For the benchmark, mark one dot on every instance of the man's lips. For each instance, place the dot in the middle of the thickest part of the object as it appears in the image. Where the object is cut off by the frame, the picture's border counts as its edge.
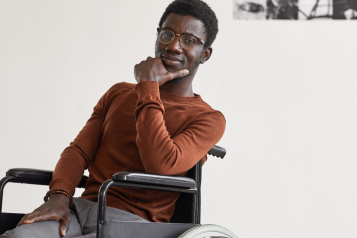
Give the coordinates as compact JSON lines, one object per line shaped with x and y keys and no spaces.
{"x":170,"y":60}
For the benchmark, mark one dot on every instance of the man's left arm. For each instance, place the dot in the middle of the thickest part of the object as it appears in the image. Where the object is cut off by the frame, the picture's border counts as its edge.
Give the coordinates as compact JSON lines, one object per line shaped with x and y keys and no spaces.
{"x":162,"y":154}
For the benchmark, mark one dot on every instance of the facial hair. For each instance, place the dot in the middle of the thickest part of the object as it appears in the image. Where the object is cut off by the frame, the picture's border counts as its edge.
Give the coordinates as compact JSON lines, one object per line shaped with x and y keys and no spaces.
{"x":176,"y":80}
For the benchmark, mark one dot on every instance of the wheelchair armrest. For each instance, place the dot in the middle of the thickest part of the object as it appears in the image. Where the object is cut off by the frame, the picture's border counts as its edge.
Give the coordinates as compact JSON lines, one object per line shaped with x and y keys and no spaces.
{"x":154,"y":179}
{"x":139,"y":180}
{"x":45,"y":176}
{"x":28,"y":173}
{"x":220,"y":152}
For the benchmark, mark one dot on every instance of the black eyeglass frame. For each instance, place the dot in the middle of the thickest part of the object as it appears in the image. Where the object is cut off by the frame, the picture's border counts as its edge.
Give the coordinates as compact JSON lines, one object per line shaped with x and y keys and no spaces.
{"x":199,"y":40}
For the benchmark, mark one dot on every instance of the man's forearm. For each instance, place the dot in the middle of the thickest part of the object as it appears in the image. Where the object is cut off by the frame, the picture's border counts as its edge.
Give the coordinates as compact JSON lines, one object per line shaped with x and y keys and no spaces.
{"x":162,"y":154}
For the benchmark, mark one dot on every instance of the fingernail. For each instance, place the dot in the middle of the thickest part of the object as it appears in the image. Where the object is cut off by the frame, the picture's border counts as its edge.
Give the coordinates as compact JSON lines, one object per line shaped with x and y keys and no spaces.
{"x":186,"y":71}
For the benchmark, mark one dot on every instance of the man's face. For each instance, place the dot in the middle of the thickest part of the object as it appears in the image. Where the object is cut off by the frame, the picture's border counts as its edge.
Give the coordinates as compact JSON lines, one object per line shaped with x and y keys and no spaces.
{"x":173,"y":56}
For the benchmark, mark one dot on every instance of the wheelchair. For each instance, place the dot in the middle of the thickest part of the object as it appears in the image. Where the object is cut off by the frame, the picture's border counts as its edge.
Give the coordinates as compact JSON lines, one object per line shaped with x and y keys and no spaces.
{"x":185,"y":222}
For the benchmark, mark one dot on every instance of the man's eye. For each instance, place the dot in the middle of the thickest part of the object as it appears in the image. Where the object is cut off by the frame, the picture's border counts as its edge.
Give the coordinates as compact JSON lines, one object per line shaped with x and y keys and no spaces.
{"x":190,"y":40}
{"x":167,"y":35}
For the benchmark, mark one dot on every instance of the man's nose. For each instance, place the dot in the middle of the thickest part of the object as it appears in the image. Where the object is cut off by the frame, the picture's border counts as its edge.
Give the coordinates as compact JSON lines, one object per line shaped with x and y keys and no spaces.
{"x":175,"y":45}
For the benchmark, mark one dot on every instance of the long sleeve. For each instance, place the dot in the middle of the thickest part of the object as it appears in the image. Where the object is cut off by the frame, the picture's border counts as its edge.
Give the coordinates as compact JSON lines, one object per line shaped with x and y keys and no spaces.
{"x":161,"y":154}
{"x":77,"y":157}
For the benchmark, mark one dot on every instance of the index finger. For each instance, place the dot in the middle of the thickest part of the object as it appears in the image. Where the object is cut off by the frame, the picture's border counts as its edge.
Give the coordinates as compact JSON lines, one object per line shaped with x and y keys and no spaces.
{"x":22,"y":220}
{"x":39,"y":217}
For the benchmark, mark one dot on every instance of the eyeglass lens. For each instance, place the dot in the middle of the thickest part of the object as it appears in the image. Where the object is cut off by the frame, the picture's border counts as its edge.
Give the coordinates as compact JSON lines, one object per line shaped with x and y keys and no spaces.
{"x":187,"y":42}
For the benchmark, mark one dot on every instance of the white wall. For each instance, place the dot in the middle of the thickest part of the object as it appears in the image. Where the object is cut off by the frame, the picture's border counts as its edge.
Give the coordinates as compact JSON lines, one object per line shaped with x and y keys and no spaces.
{"x":287,"y":89}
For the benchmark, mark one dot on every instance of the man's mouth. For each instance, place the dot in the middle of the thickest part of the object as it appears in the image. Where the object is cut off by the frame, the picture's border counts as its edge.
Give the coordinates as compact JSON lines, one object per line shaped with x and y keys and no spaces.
{"x":170,"y":60}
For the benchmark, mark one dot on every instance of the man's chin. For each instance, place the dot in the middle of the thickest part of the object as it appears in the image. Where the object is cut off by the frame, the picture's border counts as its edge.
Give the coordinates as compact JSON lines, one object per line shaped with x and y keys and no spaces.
{"x":171,"y":68}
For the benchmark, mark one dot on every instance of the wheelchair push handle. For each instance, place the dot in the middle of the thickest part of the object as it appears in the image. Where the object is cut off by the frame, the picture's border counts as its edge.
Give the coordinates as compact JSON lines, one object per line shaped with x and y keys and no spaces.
{"x":217,"y":151}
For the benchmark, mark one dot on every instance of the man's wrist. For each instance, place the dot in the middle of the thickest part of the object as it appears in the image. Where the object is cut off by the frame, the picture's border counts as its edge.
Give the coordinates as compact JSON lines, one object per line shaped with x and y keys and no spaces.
{"x":59,"y":191}
{"x":59,"y":197}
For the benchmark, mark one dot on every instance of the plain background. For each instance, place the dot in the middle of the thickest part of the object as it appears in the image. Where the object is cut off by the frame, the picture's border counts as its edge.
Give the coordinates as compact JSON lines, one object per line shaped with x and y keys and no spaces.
{"x":286,"y":88}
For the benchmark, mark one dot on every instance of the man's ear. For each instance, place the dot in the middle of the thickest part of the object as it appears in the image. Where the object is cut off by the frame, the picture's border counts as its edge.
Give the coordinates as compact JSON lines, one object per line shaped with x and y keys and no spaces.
{"x":206,"y":54}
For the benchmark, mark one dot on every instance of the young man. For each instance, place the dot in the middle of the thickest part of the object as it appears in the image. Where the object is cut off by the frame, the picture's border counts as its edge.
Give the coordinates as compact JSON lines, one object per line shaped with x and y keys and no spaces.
{"x":156,"y":126}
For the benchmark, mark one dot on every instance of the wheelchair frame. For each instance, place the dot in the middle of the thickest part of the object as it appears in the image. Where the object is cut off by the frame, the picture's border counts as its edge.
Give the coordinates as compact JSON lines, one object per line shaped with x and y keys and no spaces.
{"x":129,"y":180}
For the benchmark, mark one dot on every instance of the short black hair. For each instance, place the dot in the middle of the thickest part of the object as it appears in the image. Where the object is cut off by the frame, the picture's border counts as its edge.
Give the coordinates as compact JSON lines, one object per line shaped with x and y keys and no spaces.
{"x":199,"y":10}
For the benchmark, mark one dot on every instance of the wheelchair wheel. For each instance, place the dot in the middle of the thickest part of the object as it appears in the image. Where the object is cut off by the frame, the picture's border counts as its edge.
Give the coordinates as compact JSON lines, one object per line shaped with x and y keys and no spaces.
{"x":208,"y":231}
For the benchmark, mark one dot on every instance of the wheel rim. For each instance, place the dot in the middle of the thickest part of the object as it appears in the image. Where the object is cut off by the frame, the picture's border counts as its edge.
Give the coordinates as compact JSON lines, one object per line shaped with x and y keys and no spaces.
{"x":208,"y":230}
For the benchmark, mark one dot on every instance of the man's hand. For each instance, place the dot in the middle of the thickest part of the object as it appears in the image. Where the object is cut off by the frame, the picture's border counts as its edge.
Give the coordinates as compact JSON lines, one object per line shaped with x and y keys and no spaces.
{"x":152,"y":69}
{"x":56,"y":208}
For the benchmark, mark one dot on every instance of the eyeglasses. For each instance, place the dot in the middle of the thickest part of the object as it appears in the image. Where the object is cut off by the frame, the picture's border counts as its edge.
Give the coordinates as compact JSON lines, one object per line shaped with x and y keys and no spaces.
{"x":188,"y":42}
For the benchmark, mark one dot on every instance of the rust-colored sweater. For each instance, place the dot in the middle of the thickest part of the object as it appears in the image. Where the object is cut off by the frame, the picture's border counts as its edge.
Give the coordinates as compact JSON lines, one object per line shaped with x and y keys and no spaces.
{"x":139,"y":127}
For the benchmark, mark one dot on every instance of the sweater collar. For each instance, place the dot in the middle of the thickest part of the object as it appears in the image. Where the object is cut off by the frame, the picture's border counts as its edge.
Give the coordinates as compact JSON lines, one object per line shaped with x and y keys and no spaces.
{"x":164,"y":95}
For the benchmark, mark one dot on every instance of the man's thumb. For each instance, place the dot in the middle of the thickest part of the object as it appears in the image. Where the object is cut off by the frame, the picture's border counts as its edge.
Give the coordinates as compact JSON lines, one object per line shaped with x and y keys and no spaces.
{"x":65,"y":225}
{"x":180,"y":73}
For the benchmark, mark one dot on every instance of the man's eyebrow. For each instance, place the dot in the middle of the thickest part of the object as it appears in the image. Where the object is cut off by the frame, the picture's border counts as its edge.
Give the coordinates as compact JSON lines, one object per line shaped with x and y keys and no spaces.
{"x":186,"y":33}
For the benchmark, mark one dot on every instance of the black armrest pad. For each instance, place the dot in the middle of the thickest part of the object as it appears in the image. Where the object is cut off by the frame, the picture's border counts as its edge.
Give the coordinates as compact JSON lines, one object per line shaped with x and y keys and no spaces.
{"x":175,"y":181}
{"x":220,"y":152}
{"x":30,"y":173}
{"x":27,"y":173}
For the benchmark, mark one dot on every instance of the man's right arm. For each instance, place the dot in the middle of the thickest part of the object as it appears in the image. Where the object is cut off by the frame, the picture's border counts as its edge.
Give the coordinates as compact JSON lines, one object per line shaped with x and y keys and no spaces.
{"x":69,"y":170}
{"x":77,"y":157}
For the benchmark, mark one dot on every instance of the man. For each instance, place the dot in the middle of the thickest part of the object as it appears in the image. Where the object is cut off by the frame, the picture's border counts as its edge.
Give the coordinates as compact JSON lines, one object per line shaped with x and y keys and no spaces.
{"x":156,"y":126}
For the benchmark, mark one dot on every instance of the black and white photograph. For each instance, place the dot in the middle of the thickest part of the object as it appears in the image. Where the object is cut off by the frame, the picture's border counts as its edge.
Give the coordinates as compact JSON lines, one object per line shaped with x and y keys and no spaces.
{"x":315,"y":9}
{"x":295,"y":9}
{"x":345,"y":9}
{"x":282,"y":9}
{"x":249,"y":10}
{"x":327,"y":9}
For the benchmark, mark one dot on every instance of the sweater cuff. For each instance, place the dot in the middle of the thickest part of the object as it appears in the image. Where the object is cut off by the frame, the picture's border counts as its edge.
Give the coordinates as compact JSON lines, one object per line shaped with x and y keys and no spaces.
{"x":148,"y":97}
{"x":148,"y":90}
{"x":61,"y":183}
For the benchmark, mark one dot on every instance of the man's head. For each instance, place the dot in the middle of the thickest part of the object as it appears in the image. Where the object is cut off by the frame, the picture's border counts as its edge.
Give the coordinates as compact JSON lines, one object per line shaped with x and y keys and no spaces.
{"x":191,"y":17}
{"x":199,"y":10}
